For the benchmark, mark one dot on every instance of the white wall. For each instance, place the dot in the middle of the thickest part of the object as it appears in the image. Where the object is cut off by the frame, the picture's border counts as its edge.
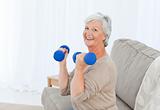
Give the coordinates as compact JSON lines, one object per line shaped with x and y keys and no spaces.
{"x":31,"y":30}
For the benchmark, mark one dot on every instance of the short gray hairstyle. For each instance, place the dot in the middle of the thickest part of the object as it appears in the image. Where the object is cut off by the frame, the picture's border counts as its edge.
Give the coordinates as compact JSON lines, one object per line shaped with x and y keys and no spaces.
{"x":106,"y":24}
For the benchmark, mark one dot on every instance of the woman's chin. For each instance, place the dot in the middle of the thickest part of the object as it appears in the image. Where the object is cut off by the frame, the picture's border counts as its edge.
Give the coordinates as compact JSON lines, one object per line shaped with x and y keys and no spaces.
{"x":89,"y":44}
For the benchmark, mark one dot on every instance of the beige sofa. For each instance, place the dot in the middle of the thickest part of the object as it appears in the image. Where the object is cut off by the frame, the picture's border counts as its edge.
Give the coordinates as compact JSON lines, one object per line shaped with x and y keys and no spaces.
{"x":132,"y":59}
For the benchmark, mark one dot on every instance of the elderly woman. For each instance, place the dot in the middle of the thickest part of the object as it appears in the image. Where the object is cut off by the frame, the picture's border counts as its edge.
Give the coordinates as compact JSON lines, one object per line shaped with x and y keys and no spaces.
{"x":91,"y":87}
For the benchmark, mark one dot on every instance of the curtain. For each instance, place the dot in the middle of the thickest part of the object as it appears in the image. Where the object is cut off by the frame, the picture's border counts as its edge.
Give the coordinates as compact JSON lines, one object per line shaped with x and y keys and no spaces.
{"x":31,"y":30}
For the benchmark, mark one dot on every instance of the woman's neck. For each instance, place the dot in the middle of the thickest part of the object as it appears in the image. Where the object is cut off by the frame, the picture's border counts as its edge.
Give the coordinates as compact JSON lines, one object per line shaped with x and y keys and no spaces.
{"x":100,"y":52}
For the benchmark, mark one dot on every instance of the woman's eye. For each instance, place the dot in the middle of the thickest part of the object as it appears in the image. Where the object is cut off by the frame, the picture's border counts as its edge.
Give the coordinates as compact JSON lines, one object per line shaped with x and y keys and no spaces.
{"x":86,"y":28}
{"x":95,"y":30}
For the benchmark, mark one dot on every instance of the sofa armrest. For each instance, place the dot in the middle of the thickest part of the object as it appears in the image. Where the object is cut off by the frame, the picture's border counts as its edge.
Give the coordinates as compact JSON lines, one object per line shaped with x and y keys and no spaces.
{"x":52,"y":81}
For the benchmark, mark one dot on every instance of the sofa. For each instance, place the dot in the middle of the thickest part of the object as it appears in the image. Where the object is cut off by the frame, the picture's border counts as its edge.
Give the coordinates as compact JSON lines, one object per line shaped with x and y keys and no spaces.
{"x":132,"y":59}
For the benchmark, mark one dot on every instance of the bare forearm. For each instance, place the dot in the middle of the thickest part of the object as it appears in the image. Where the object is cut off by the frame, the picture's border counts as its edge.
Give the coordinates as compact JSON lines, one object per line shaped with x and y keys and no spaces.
{"x":77,"y":84}
{"x":63,"y":77}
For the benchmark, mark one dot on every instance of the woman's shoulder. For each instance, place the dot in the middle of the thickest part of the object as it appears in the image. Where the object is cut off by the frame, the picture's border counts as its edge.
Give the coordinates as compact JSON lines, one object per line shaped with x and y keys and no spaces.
{"x":102,"y":69}
{"x":104,"y":63}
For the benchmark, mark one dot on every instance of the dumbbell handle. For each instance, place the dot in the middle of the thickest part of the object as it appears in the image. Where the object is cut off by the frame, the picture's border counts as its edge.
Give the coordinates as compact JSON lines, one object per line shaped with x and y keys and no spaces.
{"x":59,"y":54}
{"x":89,"y":58}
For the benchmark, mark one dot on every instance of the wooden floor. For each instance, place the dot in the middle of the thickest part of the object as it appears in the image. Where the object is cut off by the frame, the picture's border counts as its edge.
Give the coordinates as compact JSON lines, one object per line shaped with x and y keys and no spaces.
{"x":8,"y":106}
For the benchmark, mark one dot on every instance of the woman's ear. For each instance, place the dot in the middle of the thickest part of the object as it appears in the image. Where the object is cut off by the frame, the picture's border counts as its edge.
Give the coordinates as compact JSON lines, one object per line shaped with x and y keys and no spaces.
{"x":104,"y":37}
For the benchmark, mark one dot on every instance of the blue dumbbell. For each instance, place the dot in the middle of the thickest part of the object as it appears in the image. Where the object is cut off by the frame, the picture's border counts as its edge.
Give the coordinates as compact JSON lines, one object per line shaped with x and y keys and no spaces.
{"x":59,"y":55}
{"x":89,"y":58}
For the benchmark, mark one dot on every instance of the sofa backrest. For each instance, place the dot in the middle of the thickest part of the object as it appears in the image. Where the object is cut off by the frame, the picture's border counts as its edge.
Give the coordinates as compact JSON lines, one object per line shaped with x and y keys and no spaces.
{"x":132,"y":59}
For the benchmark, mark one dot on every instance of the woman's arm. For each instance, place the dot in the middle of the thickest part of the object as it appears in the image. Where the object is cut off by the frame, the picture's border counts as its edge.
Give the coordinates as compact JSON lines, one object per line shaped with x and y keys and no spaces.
{"x":77,"y":84}
{"x":63,"y":76}
{"x":63,"y":72}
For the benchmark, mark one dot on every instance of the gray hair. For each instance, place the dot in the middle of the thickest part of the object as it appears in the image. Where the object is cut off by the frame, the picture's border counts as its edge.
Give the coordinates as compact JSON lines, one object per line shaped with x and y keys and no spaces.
{"x":106,"y":24}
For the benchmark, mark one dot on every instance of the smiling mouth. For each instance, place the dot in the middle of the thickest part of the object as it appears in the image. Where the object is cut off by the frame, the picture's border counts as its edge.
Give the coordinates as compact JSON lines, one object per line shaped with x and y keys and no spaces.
{"x":89,"y":38}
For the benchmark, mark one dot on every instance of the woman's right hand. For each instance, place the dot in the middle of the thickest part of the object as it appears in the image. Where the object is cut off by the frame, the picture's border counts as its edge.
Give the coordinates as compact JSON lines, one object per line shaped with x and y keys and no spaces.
{"x":63,"y":62}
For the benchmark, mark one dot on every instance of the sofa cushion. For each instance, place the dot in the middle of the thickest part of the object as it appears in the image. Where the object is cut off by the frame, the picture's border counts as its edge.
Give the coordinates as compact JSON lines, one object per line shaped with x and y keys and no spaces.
{"x":132,"y":59}
{"x":52,"y":100}
{"x":148,"y":97}
{"x":122,"y":105}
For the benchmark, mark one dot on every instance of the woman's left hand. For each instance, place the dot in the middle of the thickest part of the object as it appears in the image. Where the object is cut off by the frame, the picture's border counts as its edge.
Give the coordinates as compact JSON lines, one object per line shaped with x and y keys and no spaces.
{"x":80,"y":64}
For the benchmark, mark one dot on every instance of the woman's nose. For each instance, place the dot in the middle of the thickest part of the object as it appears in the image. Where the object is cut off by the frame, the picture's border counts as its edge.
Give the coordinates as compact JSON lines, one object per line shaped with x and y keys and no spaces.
{"x":88,"y":32}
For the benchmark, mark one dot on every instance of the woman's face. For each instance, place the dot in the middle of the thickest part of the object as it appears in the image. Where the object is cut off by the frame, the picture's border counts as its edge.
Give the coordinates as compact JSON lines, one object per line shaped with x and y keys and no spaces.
{"x":93,"y":34}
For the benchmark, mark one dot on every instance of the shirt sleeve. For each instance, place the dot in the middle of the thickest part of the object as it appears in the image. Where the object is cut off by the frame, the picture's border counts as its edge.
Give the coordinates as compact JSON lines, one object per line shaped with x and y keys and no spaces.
{"x":90,"y":90}
{"x":99,"y":85}
{"x":66,"y":91}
